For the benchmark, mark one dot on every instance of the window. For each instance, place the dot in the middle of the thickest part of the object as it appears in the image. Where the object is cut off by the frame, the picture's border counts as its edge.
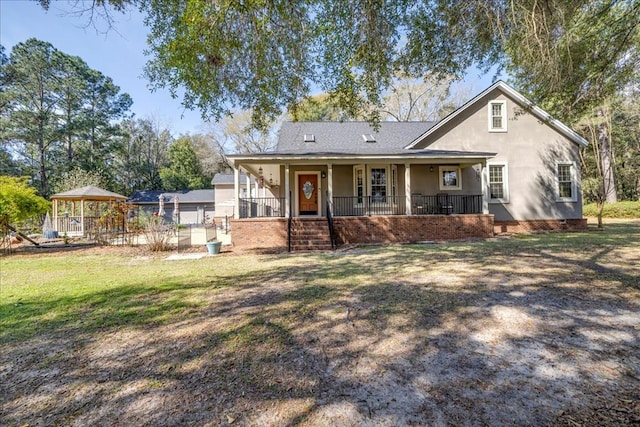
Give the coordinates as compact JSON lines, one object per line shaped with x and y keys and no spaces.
{"x":377,"y":181}
{"x":450,"y":178}
{"x":498,"y":189}
{"x":498,"y":116}
{"x":566,"y":182}
{"x":379,"y":184}
{"x":359,"y":182}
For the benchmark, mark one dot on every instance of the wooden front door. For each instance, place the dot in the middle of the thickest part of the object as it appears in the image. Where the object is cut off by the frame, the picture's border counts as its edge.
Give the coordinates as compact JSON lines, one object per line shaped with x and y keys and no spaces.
{"x":308,"y":194}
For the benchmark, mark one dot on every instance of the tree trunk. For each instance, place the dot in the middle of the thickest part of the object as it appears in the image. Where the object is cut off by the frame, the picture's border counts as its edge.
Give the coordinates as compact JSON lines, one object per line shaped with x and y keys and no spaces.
{"x":608,"y":176}
{"x":43,"y":169}
{"x":599,"y":209}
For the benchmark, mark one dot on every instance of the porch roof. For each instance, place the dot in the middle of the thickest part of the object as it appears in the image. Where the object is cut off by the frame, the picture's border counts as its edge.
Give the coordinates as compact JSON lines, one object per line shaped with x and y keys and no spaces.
{"x":422,"y":156}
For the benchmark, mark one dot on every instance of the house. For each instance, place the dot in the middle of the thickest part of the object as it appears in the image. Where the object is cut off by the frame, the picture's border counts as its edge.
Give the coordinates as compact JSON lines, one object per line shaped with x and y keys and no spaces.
{"x":498,"y":163}
{"x":183,"y":207}
{"x":225,"y":194}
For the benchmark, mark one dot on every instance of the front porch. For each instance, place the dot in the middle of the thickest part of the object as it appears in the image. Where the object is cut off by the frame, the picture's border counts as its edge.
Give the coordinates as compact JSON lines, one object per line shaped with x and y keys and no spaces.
{"x":387,"y":199}
{"x":348,"y":206}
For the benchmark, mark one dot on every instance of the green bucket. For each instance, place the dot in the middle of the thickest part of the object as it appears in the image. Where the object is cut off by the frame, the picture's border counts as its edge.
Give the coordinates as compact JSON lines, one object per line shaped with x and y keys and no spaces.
{"x":213,"y":247}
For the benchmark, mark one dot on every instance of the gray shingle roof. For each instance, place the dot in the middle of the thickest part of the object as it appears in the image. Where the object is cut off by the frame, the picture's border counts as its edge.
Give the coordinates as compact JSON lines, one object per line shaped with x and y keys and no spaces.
{"x":347,"y":137}
{"x":193,"y":196}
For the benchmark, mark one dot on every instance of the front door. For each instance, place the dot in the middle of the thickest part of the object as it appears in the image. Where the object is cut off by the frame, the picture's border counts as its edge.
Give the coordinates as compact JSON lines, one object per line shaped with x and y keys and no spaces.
{"x":308,"y":194}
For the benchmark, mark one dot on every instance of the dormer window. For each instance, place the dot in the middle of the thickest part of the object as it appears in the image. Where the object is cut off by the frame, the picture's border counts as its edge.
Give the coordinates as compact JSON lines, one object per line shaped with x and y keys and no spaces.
{"x":497,"y":116}
{"x":367,"y":137}
{"x":309,"y":137}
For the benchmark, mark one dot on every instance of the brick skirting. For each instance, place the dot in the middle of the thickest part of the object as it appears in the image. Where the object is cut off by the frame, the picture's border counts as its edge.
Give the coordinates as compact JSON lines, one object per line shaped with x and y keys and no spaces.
{"x":538,"y":225}
{"x":406,"y":229}
{"x":267,"y":234}
{"x":270,"y":234}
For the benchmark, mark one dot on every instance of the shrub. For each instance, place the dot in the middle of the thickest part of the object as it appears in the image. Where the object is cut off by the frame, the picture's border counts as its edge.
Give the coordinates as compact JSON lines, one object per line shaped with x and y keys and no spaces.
{"x":626,"y":209}
{"x":156,"y":232}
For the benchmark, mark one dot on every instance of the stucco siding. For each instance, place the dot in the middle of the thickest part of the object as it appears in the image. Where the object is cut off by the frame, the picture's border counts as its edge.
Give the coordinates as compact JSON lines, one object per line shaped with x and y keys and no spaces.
{"x":530,"y":149}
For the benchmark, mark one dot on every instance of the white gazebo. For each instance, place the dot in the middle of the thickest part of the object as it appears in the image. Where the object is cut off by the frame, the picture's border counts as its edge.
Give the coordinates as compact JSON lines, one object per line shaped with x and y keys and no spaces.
{"x":76,"y":211}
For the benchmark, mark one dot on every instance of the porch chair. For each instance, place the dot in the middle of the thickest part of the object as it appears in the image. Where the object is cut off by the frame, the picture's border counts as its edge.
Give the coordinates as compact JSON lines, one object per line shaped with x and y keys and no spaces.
{"x":444,"y":204}
{"x":417,"y":203}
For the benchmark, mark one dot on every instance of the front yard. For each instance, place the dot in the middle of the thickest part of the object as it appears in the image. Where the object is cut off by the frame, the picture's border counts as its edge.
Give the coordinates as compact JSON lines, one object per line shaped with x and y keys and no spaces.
{"x":533,"y":330}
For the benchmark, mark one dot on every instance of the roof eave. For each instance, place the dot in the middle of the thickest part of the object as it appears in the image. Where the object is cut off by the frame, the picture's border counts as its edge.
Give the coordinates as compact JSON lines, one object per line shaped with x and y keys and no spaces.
{"x":409,"y":156}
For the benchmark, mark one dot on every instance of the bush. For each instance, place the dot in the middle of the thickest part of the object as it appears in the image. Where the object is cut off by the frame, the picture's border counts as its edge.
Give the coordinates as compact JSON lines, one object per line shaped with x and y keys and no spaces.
{"x":19,"y":201}
{"x":156,"y":232}
{"x":614,"y":210}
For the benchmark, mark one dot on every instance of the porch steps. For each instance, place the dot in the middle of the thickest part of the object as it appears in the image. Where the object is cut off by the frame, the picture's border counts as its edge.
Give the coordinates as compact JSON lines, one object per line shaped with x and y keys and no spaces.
{"x":310,"y":234}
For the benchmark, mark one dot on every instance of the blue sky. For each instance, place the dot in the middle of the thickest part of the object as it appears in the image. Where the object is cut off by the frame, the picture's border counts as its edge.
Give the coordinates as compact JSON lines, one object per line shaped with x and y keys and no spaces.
{"x":117,"y":54}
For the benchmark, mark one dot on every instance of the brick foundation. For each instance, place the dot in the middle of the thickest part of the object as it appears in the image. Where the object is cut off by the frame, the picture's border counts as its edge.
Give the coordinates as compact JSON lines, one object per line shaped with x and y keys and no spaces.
{"x":406,"y":229}
{"x":270,"y":234}
{"x":531,"y":226}
{"x":267,"y":234}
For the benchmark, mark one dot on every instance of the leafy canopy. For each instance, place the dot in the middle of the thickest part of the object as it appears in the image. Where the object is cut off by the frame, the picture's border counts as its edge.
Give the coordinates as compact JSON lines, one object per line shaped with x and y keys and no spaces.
{"x":19,"y":201}
{"x":184,"y":170}
{"x":267,"y":55}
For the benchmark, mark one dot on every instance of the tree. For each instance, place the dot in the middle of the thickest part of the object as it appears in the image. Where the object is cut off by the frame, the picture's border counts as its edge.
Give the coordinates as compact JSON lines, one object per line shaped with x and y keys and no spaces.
{"x":265,"y":56}
{"x":103,"y":105}
{"x":317,"y":108}
{"x":183,"y":171}
{"x":57,"y":113}
{"x":19,"y":201}
{"x":140,"y":155}
{"x":424,"y":99}
{"x":78,"y":178}
{"x":71,"y":95}
{"x":235,"y":134}
{"x":626,"y":138}
{"x":209,"y":159}
{"x":32,"y":103}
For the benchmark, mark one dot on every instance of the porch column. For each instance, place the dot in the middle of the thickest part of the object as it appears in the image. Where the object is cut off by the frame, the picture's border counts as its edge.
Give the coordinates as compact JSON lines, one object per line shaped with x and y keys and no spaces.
{"x":407,"y":187}
{"x":82,"y":217}
{"x":287,"y":192}
{"x":485,"y":187}
{"x":330,"y":187}
{"x":248,"y":191}
{"x":236,"y":191}
{"x":55,"y":214}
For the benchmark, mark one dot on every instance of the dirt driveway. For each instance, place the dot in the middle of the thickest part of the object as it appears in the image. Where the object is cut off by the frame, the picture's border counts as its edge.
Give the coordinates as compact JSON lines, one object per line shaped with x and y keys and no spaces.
{"x":541,"y":331}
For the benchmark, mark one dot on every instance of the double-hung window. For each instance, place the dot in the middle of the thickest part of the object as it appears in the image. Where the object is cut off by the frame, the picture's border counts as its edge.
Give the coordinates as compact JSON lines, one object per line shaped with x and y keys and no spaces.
{"x":498,"y":183}
{"x":566,"y":182}
{"x":359,"y":186}
{"x":379,"y":184}
{"x":497,"y":116}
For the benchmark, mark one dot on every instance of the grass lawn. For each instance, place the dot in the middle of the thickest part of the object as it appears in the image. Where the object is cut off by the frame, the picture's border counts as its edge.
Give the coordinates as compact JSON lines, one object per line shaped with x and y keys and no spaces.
{"x":532,"y":330}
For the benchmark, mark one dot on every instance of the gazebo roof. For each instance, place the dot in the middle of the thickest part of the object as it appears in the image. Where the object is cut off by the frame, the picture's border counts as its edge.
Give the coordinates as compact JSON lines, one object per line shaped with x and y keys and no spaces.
{"x":89,"y":192}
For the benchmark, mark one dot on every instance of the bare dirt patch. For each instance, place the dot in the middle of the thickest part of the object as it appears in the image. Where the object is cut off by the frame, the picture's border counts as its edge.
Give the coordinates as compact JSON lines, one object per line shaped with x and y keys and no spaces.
{"x":540,"y":332}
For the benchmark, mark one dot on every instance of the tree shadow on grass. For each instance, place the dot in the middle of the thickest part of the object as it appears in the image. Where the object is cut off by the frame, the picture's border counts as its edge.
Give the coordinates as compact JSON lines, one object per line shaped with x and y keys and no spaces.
{"x":377,"y":336}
